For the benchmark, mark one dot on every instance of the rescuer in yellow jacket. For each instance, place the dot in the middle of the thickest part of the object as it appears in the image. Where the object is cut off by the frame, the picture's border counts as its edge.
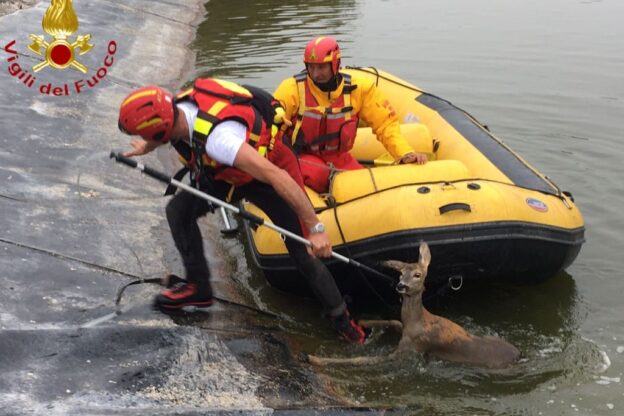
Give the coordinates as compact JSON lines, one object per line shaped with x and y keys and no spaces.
{"x":324,"y":106}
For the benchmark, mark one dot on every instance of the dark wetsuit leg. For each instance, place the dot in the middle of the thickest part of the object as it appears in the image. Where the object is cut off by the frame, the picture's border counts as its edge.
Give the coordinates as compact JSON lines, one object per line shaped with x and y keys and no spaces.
{"x":183,"y":211}
{"x":316,"y":273}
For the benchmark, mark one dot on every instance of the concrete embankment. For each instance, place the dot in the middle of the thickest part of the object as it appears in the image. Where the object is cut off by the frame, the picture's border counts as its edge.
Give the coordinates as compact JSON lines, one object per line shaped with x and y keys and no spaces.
{"x":75,"y":226}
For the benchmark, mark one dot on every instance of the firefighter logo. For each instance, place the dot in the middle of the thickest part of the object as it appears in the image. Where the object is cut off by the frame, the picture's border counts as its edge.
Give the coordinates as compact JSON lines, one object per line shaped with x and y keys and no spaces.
{"x":60,"y":22}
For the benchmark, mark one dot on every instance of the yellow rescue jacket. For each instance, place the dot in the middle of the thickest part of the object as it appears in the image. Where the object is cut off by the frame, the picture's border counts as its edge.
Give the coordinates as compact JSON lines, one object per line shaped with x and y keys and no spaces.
{"x":368,"y":104}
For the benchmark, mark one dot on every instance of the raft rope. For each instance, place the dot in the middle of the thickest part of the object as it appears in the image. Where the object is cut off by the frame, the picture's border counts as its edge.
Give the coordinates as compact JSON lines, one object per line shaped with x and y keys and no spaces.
{"x":12,"y":198}
{"x":67,"y":257}
{"x":375,"y":71}
{"x":171,"y":280}
{"x":138,"y":279}
{"x":372,"y":176}
{"x":322,"y":165}
{"x":371,"y":288}
{"x":333,"y":172}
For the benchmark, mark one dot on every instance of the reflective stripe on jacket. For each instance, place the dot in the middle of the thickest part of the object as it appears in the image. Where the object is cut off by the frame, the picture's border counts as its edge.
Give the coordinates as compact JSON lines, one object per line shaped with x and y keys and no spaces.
{"x":323,"y":130}
{"x":217,"y":101}
{"x":367,"y":101}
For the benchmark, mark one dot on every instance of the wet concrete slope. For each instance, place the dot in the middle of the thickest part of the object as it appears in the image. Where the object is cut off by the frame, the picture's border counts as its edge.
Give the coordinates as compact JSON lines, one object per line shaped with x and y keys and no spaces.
{"x":74,"y":226}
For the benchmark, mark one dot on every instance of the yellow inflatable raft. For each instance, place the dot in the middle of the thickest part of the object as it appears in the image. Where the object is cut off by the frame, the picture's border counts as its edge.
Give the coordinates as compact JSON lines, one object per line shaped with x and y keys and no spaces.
{"x":485,"y":212}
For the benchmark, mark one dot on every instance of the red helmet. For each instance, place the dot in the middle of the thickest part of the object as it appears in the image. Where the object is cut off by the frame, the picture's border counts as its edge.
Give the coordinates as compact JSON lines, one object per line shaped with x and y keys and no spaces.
{"x":148,"y":112}
{"x":321,"y":50}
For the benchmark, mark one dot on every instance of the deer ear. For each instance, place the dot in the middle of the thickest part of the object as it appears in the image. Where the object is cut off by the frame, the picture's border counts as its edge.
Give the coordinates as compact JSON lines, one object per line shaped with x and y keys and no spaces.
{"x":394,"y":264}
{"x":425,"y":255}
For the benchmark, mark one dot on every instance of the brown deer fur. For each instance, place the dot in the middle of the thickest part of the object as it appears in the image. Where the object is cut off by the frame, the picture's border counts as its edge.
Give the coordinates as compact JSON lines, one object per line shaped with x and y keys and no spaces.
{"x":429,"y":334}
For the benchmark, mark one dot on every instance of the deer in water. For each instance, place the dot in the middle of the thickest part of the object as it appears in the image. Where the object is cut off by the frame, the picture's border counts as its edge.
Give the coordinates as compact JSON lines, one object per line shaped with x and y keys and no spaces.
{"x":429,"y":334}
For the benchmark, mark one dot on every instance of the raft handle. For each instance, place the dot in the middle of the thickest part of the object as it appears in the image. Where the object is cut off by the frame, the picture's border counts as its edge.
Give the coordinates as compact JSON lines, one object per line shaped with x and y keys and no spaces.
{"x":456,"y":278}
{"x":455,"y":206}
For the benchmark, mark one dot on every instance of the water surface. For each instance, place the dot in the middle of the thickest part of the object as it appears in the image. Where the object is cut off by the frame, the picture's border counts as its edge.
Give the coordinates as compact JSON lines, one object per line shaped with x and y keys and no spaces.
{"x":546,"y":77}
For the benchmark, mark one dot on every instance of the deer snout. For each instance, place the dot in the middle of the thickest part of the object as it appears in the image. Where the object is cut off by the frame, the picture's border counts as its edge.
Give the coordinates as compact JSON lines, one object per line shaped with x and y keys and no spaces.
{"x":401,"y":287}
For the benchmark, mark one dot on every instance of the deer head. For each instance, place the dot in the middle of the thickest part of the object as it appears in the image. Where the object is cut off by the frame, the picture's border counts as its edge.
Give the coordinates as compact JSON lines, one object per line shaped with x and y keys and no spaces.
{"x":412,"y":274}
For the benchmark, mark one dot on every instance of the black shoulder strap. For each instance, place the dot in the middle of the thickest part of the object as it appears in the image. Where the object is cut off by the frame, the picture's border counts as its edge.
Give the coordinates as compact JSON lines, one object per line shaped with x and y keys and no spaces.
{"x":235,"y":100}
{"x":348,"y":87}
{"x":171,"y":189}
{"x":262,"y":102}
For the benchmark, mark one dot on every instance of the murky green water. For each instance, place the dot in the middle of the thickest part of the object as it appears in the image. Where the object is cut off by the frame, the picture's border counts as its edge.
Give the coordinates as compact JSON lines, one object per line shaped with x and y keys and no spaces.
{"x":547,"y":78}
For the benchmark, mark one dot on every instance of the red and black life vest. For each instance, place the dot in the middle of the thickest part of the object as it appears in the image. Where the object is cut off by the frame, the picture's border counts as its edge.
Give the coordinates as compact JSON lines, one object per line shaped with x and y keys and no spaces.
{"x":220,"y":100}
{"x":323,"y":130}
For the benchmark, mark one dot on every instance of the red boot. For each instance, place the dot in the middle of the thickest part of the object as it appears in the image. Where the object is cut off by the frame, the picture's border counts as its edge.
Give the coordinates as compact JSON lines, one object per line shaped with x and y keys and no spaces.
{"x":184,"y":295}
{"x":349,"y":329}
